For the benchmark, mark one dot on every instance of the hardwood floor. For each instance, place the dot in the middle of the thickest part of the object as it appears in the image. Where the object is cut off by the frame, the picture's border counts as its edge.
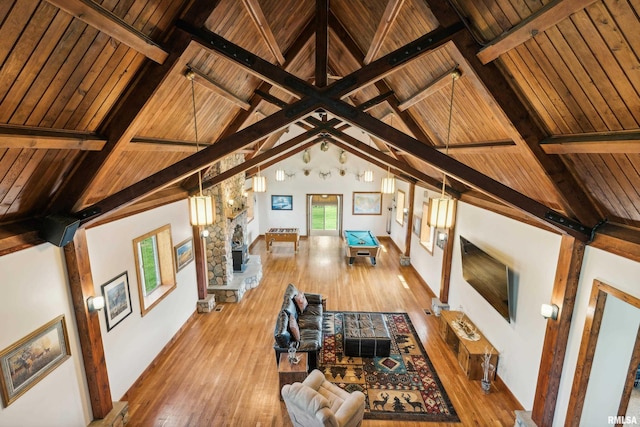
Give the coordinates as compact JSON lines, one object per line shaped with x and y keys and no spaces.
{"x":221,"y":370}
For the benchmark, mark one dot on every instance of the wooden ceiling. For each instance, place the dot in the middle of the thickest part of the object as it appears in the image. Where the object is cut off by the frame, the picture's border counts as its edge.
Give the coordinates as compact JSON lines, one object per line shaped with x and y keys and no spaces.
{"x":96,"y":113}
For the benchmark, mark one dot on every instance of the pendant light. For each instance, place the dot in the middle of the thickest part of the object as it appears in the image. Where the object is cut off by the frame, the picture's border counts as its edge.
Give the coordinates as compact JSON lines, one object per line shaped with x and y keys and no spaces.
{"x":388,"y":183}
{"x":259,"y":183}
{"x":368,"y":173}
{"x":200,"y":207}
{"x":442,"y":209}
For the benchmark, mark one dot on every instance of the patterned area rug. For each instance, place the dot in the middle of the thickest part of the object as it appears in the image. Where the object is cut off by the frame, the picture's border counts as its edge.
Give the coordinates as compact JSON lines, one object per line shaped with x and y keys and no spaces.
{"x":403,"y":386}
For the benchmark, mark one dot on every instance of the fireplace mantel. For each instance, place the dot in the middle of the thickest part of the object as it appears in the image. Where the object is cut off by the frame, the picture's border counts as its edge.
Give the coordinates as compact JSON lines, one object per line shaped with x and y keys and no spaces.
{"x":232,"y":215}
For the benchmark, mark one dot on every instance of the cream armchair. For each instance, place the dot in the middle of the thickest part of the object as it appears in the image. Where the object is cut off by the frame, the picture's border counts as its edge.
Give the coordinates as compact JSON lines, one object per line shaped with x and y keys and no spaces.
{"x":317,"y":402}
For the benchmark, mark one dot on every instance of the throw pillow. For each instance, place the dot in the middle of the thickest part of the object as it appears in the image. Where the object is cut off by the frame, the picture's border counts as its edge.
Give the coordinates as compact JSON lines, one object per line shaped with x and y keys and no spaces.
{"x":301,"y":302}
{"x":294,"y":330}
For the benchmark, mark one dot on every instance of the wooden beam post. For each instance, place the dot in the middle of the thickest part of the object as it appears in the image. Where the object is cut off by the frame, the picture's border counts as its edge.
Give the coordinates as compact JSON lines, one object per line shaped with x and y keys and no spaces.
{"x":565,"y":288}
{"x":81,"y":283}
{"x":407,"y":245}
{"x":200,"y":250}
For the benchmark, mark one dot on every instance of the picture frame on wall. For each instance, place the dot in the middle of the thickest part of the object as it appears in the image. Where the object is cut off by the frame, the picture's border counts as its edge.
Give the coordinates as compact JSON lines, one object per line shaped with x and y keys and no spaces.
{"x":183,"y":253}
{"x":117,"y":300}
{"x":281,"y":203}
{"x":367,"y":203}
{"x":29,"y":360}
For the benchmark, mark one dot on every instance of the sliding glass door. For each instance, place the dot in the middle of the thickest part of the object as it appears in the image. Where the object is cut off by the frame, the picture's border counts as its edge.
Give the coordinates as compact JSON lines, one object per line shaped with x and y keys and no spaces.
{"x":325,"y":214}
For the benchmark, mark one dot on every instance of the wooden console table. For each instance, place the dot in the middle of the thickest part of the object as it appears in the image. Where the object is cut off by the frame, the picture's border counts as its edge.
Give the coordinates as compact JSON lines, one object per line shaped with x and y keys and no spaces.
{"x":470,"y":353}
{"x":289,"y":373}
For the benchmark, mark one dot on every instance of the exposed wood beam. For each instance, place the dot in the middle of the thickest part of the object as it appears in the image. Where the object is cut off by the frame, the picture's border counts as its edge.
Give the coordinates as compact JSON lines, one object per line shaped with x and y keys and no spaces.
{"x":386,"y":160}
{"x":122,"y":121}
{"x":480,"y":148}
{"x":462,"y":172}
{"x":514,"y":116}
{"x":260,"y":21}
{"x":565,"y":289}
{"x":106,"y":22}
{"x":155,"y":200}
{"x":438,"y":83}
{"x":206,"y":81}
{"x":375,"y":101}
{"x":289,"y":146}
{"x":197,"y":161}
{"x":388,"y":18}
{"x":618,"y":239}
{"x":322,"y":42}
{"x":81,"y":284}
{"x":409,"y":230}
{"x":624,"y":142}
{"x":19,"y":235}
{"x":49,"y":139}
{"x":549,"y":15}
{"x":158,"y":144}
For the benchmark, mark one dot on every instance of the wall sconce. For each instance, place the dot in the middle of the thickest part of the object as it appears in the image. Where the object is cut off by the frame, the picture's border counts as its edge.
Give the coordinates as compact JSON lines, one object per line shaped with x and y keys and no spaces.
{"x":230,"y":203}
{"x":306,"y":156}
{"x":441,"y":241}
{"x":280,"y":175}
{"x":95,"y":303}
{"x":549,"y":311}
{"x":343,"y":157}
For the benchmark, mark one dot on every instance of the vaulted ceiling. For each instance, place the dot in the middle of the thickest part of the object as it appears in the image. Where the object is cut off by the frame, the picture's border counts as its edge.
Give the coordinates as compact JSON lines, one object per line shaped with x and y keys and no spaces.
{"x":96,"y":114}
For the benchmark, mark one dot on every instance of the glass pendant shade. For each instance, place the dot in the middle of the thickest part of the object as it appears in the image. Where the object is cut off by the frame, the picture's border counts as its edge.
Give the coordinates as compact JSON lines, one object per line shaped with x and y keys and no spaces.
{"x":441,"y":212}
{"x":201,"y":210}
{"x":368,"y":176}
{"x":388,"y":185}
{"x":259,"y":184}
{"x":280,"y":175}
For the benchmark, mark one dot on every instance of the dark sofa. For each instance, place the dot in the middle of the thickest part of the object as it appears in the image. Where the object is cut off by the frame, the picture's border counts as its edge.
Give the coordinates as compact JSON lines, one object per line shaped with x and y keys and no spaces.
{"x":309,"y":322}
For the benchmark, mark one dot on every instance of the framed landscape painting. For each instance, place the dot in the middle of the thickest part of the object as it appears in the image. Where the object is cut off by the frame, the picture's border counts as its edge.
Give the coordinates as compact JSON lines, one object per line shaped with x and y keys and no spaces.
{"x":281,"y":203}
{"x":367,"y":203}
{"x":184,"y":253}
{"x":117,"y":300}
{"x":29,"y":360}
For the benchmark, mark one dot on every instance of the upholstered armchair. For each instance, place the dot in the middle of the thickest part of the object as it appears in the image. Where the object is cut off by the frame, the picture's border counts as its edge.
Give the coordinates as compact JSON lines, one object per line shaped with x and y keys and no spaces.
{"x":317,"y":402}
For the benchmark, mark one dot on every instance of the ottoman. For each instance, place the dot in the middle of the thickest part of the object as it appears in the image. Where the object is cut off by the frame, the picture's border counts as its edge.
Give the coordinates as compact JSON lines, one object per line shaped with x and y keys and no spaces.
{"x":365,"y":335}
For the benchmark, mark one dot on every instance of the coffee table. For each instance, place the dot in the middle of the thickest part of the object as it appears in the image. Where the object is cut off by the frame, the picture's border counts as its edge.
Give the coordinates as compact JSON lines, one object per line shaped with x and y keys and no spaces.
{"x":365,"y":335}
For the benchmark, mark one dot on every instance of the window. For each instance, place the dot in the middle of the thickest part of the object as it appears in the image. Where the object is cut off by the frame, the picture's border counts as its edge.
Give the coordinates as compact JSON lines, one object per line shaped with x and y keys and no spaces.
{"x":154,"y":266}
{"x":427,"y":233}
{"x":400,"y":207}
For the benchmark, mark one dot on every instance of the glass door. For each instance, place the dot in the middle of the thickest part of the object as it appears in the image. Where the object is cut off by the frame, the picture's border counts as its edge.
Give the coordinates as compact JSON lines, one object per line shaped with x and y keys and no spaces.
{"x":325,"y":214}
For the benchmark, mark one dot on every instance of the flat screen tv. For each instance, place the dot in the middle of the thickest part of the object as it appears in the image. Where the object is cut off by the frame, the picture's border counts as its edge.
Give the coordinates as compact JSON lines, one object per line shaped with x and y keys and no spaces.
{"x":490,"y":277}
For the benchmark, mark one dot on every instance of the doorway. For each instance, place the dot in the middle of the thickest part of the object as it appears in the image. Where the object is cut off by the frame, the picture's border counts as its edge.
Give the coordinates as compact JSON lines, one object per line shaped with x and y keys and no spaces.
{"x":324,"y":214}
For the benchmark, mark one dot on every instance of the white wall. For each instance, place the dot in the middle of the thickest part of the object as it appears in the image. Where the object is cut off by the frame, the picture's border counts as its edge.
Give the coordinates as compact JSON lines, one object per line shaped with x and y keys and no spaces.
{"x":301,"y":185}
{"x":35,"y":290}
{"x":111,"y":253}
{"x":622,"y":274}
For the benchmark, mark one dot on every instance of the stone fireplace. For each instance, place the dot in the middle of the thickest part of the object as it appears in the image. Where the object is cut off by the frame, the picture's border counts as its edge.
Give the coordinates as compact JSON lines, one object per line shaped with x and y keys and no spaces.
{"x":228,"y":235}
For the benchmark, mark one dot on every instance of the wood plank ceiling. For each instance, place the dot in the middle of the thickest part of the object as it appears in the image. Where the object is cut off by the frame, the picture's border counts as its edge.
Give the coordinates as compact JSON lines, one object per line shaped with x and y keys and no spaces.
{"x":96,"y":112}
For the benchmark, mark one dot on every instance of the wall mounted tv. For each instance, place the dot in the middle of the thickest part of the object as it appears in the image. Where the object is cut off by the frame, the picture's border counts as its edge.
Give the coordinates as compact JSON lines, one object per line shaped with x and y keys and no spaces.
{"x":490,"y":277}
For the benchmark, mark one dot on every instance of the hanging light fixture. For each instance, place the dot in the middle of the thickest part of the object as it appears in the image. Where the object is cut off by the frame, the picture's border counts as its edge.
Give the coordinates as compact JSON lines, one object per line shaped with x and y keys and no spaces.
{"x":368,"y":173}
{"x":259,"y":183}
{"x":280,"y":175}
{"x":442,"y":209}
{"x":388,"y":183}
{"x":200,"y":207}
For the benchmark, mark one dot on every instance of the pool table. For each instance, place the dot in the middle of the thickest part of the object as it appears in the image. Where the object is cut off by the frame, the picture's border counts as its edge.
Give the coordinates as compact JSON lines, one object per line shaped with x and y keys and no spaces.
{"x":361,"y":243}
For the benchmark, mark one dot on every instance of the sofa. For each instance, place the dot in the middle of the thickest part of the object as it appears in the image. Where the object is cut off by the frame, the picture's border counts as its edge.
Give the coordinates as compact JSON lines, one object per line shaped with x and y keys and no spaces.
{"x":317,"y":402}
{"x":299,"y":324}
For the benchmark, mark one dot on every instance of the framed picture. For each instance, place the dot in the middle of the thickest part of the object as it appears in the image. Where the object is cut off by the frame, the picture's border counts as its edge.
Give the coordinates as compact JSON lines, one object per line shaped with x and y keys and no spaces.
{"x":400,"y":198}
{"x":367,"y":203}
{"x":281,"y":203}
{"x":29,"y":360}
{"x":417,"y":223}
{"x":117,"y":300}
{"x":184,"y":253}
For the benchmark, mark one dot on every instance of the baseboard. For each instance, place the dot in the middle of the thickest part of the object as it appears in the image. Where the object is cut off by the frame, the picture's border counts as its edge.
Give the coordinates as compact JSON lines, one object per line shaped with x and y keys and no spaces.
{"x":145,"y":373}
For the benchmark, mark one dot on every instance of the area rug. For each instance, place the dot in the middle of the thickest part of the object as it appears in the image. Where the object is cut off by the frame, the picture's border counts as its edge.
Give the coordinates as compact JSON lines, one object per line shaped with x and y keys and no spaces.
{"x":403,"y":386}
